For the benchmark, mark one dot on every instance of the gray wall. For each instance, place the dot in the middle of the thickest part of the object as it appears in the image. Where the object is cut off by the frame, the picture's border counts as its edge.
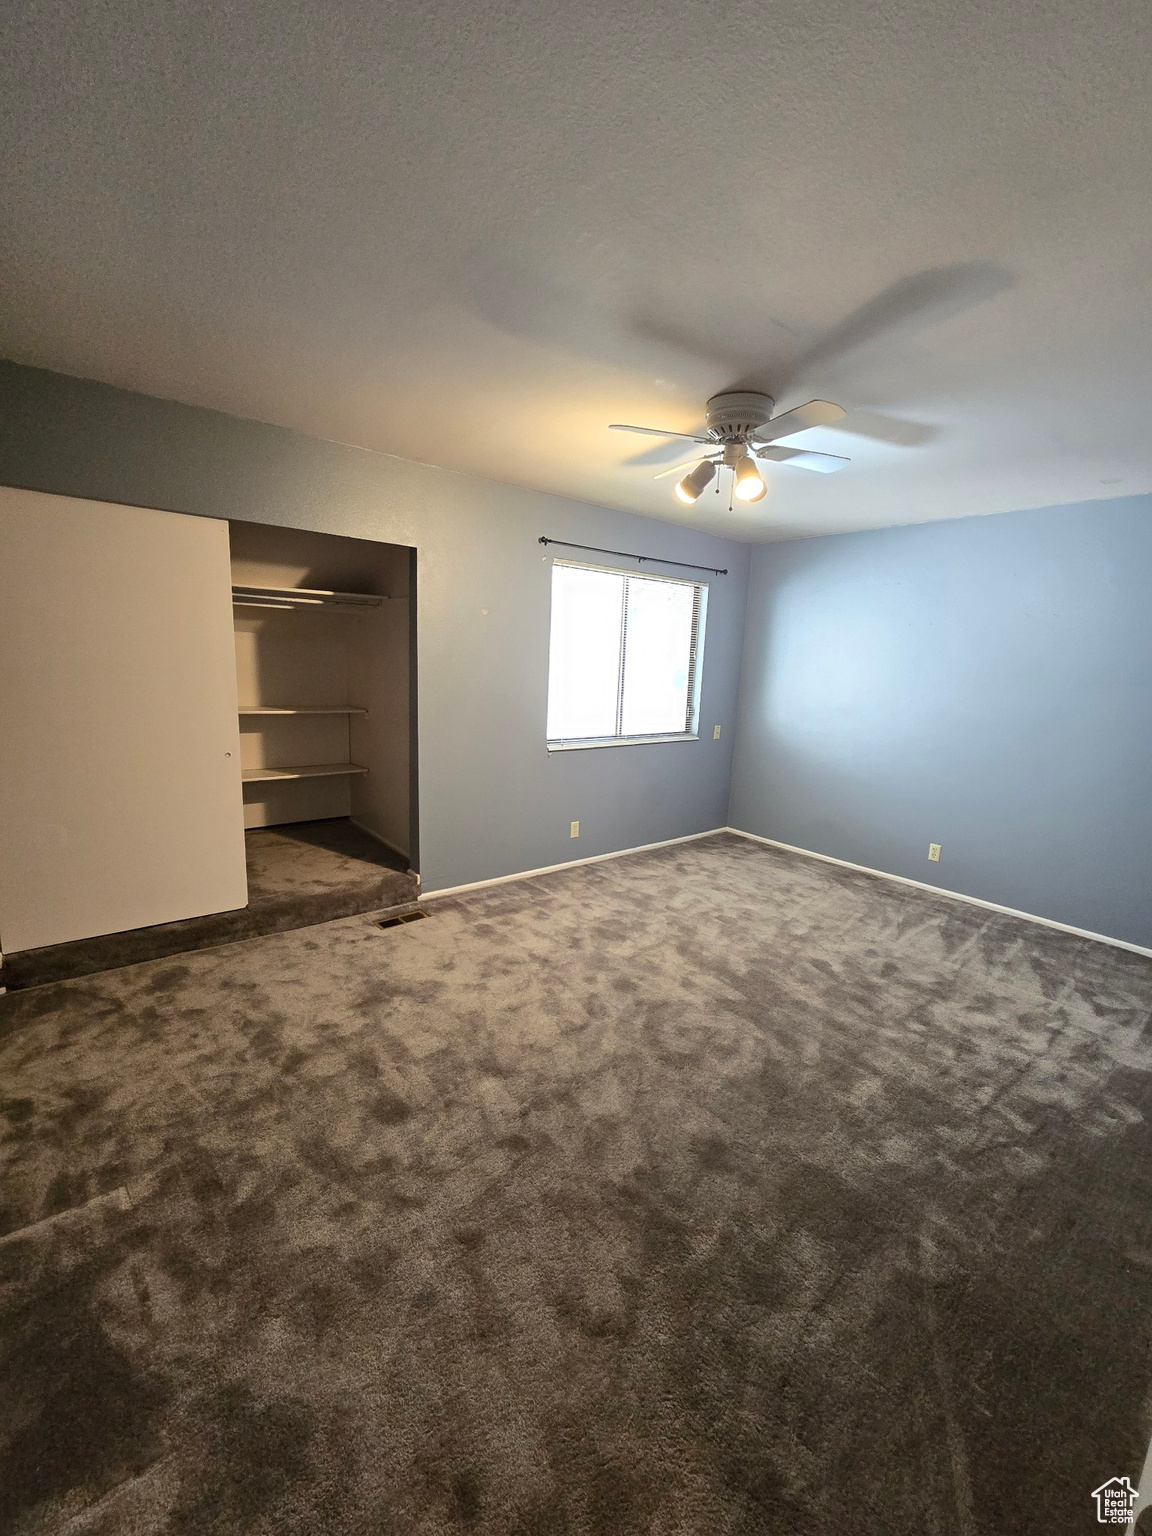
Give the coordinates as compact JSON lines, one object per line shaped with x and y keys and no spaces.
{"x":492,"y":801}
{"x":985,"y":684}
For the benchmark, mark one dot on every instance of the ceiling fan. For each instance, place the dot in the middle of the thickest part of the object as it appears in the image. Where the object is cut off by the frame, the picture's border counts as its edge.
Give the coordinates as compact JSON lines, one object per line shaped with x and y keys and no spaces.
{"x":742,"y":431}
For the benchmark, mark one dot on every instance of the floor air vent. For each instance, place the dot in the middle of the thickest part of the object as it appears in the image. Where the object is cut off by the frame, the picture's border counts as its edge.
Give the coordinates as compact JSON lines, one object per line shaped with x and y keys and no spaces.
{"x":402,"y":917}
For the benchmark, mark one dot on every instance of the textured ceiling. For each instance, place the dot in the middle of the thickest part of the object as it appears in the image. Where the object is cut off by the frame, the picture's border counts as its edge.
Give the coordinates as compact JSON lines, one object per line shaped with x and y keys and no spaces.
{"x":474,"y":234}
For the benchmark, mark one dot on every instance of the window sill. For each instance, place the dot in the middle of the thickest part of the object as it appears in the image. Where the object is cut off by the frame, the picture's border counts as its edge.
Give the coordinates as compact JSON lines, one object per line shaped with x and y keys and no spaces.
{"x":617,"y":741}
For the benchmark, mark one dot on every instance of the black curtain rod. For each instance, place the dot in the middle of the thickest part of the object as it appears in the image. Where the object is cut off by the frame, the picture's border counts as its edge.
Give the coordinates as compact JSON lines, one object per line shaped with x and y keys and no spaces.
{"x":594,"y":549}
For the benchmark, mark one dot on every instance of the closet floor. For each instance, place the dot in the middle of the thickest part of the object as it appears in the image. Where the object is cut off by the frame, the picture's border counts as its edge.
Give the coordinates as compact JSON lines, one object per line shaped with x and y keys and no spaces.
{"x":309,"y":860}
{"x":304,"y":873}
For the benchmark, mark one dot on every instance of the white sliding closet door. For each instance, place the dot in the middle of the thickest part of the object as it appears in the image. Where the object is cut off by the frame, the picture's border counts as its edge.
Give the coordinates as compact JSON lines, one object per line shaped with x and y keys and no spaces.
{"x":120,"y":793}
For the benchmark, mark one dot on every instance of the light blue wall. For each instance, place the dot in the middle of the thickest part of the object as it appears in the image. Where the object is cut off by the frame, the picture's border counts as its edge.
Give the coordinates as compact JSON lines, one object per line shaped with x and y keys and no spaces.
{"x":985,"y":684}
{"x":492,"y":800}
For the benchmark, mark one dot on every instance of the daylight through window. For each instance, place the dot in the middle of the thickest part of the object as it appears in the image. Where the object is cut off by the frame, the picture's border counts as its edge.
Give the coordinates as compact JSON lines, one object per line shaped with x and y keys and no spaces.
{"x":624,"y":656}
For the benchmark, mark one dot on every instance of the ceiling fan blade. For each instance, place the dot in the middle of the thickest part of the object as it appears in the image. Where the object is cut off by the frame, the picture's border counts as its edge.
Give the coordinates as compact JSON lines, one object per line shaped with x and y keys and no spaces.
{"x":802,"y":458}
{"x":817,"y":413}
{"x":620,"y":426}
{"x":686,"y":465}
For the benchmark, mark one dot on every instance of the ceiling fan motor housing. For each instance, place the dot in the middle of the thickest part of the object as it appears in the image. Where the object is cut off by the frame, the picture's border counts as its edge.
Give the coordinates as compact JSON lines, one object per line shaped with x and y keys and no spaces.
{"x":734,"y":416}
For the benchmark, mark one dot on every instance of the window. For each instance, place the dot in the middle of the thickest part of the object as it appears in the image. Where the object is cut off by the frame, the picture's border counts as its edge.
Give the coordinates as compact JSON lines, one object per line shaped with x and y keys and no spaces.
{"x":624,"y":656}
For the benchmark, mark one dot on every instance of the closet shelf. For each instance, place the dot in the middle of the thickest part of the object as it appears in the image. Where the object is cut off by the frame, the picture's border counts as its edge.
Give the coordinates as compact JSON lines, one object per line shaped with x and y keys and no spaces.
{"x":244,"y":596}
{"x":310,"y":771}
{"x":303,"y":709}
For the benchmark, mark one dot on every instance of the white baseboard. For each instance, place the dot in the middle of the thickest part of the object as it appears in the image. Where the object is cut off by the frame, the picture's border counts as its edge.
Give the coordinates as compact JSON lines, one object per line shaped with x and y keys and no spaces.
{"x":401,"y":853}
{"x":939,"y":890}
{"x":550,"y":869}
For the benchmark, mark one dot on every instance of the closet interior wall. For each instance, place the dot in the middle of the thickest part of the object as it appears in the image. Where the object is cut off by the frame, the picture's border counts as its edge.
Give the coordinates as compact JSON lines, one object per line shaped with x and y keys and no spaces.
{"x":339,"y":671}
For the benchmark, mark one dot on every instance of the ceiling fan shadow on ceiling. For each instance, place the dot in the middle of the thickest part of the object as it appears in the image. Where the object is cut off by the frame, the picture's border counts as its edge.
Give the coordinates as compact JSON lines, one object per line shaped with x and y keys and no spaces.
{"x":742,"y":433}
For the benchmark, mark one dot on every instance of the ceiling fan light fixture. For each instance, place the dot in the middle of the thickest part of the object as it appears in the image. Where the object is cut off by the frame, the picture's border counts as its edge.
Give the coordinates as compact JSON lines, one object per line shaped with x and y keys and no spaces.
{"x":750,"y":485}
{"x":695,"y":481}
{"x":742,"y":432}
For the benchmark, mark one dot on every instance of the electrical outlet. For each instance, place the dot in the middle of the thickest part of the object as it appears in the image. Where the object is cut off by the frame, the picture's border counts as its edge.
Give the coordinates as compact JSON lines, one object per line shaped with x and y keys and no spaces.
{"x":573,"y":829}
{"x":934,"y":852}
{"x":715,"y":733}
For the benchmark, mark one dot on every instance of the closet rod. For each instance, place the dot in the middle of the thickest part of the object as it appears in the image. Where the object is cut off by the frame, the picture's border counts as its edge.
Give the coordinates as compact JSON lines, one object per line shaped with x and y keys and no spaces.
{"x":594,"y":549}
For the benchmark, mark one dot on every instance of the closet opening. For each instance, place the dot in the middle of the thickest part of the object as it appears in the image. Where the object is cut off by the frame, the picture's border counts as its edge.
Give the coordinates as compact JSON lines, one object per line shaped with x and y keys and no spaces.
{"x":325,"y":650}
{"x":246,"y":696}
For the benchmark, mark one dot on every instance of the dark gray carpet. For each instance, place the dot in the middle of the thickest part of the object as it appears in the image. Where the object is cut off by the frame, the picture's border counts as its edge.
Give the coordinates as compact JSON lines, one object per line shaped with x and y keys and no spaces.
{"x":712,"y":1190}
{"x":307,"y":872}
